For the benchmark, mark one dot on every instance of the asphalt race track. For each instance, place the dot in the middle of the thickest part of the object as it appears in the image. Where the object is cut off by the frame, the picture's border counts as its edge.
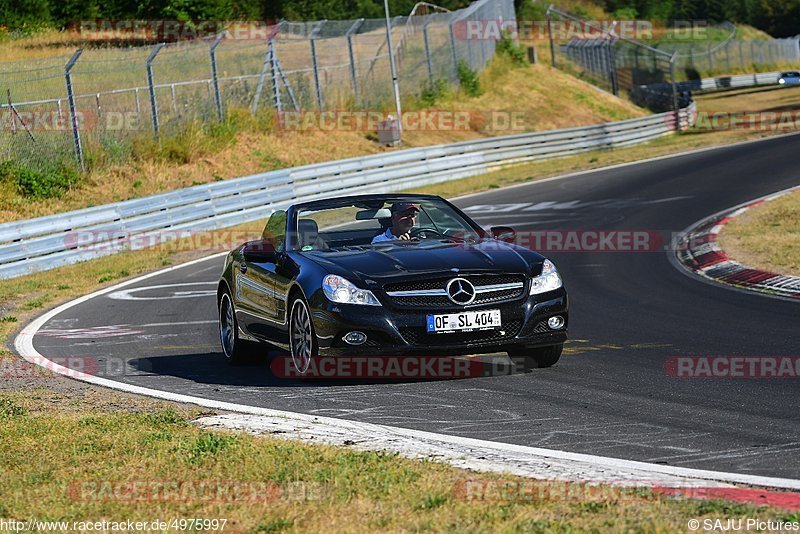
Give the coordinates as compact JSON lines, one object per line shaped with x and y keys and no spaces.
{"x":609,"y":395}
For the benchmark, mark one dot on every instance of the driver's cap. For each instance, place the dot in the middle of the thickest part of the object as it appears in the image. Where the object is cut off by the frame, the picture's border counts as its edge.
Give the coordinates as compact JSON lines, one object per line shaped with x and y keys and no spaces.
{"x":400,"y":207}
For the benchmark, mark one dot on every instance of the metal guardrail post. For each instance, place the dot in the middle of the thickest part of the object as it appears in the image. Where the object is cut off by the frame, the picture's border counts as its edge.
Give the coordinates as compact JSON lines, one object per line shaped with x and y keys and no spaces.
{"x":453,"y":51}
{"x":76,"y":135}
{"x":313,"y":38}
{"x":214,"y":78}
{"x":353,"y":76}
{"x":151,"y":87}
{"x":428,"y":60}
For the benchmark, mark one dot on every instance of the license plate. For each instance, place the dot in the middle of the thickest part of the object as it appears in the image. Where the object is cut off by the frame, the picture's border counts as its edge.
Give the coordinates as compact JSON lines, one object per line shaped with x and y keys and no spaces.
{"x":464,"y":321}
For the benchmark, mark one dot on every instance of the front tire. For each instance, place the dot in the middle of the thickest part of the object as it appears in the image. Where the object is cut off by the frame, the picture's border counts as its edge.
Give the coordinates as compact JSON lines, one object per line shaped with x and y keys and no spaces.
{"x":538,"y":357}
{"x":236,"y":351}
{"x":302,"y":338}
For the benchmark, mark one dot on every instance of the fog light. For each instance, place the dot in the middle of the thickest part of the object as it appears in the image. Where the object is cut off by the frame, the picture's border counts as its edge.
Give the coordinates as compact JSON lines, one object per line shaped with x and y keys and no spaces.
{"x":555,"y":322}
{"x":355,"y":338}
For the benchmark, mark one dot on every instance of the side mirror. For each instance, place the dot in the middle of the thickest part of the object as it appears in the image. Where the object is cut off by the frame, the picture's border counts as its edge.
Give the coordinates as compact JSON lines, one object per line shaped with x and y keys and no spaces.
{"x":259,"y":252}
{"x":504,"y":233}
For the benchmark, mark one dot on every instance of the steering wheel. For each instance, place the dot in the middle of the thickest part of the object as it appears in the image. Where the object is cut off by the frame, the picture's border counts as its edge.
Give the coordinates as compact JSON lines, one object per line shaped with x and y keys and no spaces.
{"x":425,"y":233}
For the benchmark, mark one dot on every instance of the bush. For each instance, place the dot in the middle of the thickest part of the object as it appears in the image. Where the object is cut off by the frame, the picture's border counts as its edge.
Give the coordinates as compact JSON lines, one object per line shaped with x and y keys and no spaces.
{"x":51,"y":181}
{"x":468,"y":79}
{"x":508,"y":47}
{"x":433,"y":93}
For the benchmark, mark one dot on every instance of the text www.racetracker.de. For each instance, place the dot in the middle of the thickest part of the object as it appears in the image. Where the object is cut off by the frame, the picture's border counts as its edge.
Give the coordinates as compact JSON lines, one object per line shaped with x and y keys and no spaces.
{"x":188,"y":524}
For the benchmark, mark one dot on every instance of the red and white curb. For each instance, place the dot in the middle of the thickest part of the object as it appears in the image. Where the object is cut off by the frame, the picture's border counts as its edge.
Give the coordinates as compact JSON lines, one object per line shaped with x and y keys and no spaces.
{"x":698,"y":250}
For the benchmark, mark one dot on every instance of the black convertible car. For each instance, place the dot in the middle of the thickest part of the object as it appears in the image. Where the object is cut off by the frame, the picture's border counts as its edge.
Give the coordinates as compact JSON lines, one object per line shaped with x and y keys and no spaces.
{"x":389,"y":275}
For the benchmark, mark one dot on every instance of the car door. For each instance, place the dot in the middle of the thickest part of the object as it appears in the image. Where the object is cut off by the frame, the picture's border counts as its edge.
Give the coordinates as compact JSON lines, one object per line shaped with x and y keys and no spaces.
{"x":255,"y":298}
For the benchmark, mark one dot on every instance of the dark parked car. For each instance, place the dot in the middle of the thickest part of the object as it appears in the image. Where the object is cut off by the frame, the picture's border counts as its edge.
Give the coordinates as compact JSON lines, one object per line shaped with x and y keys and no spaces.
{"x":317,"y":285}
{"x":789,"y":78}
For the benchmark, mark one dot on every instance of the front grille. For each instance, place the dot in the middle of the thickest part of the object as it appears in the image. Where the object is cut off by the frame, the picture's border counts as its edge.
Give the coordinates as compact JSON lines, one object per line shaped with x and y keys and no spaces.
{"x":434,"y":301}
{"x":421,"y":337}
{"x":441,"y":283}
{"x":442,"y":302}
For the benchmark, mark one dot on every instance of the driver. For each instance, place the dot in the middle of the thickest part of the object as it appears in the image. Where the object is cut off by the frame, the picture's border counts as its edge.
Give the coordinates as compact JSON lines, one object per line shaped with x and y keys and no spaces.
{"x":404,"y":216}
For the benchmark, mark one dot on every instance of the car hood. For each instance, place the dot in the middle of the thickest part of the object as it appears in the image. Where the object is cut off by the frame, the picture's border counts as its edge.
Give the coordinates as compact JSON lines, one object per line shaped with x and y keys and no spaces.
{"x":396,"y":262}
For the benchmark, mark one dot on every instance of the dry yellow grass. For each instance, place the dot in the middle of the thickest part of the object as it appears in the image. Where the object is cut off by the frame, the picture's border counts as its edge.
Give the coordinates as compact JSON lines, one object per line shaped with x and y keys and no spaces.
{"x":767,"y":236}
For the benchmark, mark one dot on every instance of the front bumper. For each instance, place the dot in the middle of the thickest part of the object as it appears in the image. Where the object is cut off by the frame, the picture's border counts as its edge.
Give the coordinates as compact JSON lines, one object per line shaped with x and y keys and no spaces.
{"x":392,"y":330}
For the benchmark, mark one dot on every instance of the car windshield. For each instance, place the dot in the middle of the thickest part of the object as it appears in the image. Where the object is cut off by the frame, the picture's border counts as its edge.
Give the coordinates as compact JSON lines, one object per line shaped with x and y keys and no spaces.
{"x":340,"y":224}
{"x":791,"y":74}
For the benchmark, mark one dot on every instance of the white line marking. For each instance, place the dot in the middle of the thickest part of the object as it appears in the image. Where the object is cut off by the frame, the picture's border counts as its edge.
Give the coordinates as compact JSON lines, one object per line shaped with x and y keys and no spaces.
{"x":127,"y":294}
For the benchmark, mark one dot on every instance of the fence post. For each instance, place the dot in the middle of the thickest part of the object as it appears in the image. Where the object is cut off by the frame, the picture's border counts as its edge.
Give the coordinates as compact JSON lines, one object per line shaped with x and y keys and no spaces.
{"x":312,"y":38}
{"x":353,"y":76}
{"x":612,"y":67}
{"x":453,"y":51}
{"x":261,"y":77}
{"x":710,"y":58}
{"x":273,"y":72}
{"x":550,"y":35}
{"x":76,"y":135}
{"x":728,"y":56}
{"x":428,"y":50}
{"x":214,"y":78}
{"x":285,"y":81}
{"x":151,"y":87}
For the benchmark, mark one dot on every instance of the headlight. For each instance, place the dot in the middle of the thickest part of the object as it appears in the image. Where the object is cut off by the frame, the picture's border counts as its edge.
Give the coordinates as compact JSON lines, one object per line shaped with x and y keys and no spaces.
{"x":341,"y":290}
{"x":547,"y":281}
{"x":781,"y":81}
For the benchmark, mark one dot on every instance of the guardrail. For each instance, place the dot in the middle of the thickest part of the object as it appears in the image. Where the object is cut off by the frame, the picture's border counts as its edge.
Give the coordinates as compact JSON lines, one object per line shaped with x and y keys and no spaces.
{"x":48,"y":242}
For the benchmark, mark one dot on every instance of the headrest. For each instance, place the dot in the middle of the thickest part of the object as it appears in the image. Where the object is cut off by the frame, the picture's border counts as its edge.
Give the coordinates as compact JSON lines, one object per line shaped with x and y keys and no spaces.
{"x":307,"y":230}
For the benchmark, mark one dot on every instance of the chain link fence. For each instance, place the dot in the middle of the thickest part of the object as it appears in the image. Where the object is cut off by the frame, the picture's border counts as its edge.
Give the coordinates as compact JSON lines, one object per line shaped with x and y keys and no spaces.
{"x":63,"y":111}
{"x":649,"y":73}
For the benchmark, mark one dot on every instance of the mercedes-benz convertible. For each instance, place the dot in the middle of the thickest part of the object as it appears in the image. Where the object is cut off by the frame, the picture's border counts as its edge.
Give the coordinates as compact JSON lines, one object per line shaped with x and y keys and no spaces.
{"x":388,"y":275}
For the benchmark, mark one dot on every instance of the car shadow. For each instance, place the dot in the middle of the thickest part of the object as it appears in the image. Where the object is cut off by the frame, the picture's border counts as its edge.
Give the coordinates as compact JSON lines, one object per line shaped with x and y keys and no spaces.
{"x":275,"y":369}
